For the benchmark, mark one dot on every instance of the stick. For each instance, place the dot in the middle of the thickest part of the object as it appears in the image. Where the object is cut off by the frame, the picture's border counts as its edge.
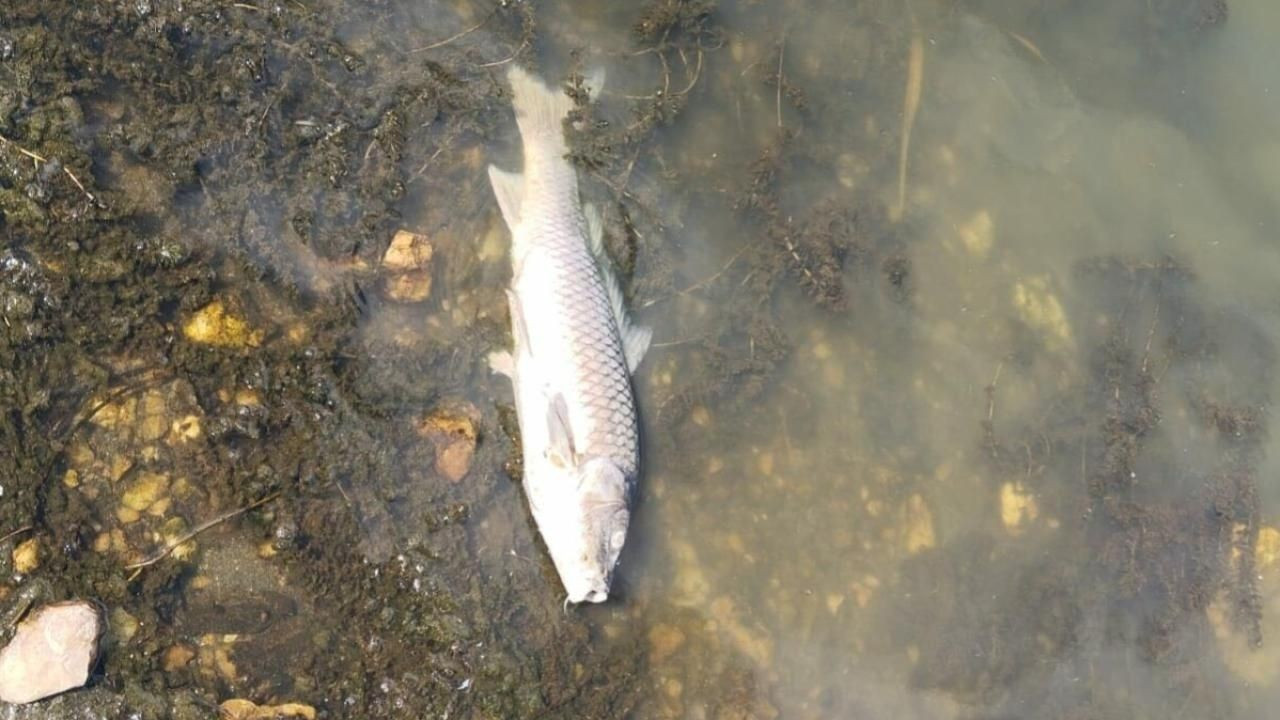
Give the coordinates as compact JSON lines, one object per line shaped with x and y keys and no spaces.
{"x":782,"y":49}
{"x":39,"y":159}
{"x":451,"y":38}
{"x":910,"y":103}
{"x":196,"y":531}
{"x":19,"y":531}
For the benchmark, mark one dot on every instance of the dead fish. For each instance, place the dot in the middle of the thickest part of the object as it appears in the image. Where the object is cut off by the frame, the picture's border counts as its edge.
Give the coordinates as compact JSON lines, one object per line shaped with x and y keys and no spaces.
{"x":574,"y":352}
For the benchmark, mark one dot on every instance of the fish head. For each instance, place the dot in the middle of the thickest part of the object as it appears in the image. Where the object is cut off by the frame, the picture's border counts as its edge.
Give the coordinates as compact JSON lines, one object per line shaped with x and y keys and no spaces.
{"x":586,"y":545}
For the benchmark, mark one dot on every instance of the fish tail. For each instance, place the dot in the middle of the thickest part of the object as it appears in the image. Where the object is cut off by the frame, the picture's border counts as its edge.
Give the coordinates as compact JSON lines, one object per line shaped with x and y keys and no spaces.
{"x":540,"y":110}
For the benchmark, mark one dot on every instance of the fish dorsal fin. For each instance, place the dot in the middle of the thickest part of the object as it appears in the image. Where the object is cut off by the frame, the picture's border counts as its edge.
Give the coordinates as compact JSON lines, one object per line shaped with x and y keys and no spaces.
{"x":560,"y":447}
{"x":635,"y":343}
{"x":635,"y":338}
{"x":519,"y":331}
{"x":508,"y":187}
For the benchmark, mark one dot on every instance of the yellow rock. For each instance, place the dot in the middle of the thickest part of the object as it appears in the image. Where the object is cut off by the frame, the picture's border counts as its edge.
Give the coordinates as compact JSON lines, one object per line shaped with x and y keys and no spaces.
{"x":1017,"y":507}
{"x":153,"y":423}
{"x":173,"y":530}
{"x":177,"y":657}
{"x":1039,"y":308}
{"x":26,"y":556}
{"x":1268,"y":547}
{"x":127,"y":515}
{"x":408,"y":265}
{"x":215,"y":325}
{"x":102,"y":542}
{"x":752,"y":642}
{"x":246,"y":710}
{"x":123,"y":625}
{"x":248,"y":397}
{"x":978,"y":233}
{"x":115,"y":414}
{"x":119,"y":466}
{"x":918,"y":525}
{"x":765,"y":462}
{"x":663,"y":641}
{"x":185,"y":429}
{"x":148,"y":489}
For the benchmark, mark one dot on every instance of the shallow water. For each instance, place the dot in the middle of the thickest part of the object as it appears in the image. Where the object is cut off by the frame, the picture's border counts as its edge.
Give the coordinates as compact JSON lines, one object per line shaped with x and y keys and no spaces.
{"x":1002,"y":454}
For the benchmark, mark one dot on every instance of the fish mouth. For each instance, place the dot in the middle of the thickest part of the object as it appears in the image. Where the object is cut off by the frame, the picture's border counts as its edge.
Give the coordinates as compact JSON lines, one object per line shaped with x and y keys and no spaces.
{"x":596,"y":595}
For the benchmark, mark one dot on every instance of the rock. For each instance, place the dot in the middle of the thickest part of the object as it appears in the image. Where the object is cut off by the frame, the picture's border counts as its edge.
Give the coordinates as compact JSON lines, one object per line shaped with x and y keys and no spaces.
{"x":408,"y":266}
{"x":1040,"y":309}
{"x":26,"y":556}
{"x":1017,"y":507}
{"x":52,"y":651}
{"x":978,"y":234}
{"x":663,"y":641}
{"x":246,"y":710}
{"x":454,"y":435}
{"x":214,"y":324}
{"x":918,"y":525}
{"x":177,"y":657}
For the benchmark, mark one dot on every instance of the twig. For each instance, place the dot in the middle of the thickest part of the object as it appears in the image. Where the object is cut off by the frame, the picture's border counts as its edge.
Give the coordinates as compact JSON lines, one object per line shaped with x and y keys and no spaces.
{"x":523,"y":44}
{"x":19,"y":531}
{"x":40,"y":159}
{"x":782,"y":49}
{"x":910,"y":103}
{"x":457,"y":36}
{"x":196,"y":531}
{"x":707,"y":280}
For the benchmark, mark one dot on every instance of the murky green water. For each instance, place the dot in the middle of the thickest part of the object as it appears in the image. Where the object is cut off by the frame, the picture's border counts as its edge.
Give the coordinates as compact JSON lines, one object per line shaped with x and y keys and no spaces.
{"x":999,"y":451}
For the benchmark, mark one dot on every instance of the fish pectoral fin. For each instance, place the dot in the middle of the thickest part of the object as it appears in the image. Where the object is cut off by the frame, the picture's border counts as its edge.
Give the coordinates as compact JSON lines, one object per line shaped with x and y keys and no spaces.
{"x":508,"y":187}
{"x":560,"y":445}
{"x":595,"y":231}
{"x":502,"y":363}
{"x":635,"y":343}
{"x":519,"y":331}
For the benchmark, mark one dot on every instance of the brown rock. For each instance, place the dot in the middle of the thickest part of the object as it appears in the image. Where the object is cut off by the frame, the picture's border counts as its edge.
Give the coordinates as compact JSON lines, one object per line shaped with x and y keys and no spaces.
{"x":663,"y":641}
{"x":454,"y":435}
{"x":52,"y":651}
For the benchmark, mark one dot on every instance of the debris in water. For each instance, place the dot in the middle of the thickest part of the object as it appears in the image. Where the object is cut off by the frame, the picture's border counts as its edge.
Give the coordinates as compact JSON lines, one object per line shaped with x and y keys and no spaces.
{"x":52,"y":651}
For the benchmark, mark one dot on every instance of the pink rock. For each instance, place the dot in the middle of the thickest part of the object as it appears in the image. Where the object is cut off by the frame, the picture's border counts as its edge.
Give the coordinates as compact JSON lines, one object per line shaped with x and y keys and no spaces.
{"x":52,"y":651}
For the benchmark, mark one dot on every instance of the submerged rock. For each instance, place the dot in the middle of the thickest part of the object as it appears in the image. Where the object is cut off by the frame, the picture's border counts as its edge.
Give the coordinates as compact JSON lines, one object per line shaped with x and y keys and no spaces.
{"x":247,"y":710}
{"x":52,"y":651}
{"x":408,"y":265}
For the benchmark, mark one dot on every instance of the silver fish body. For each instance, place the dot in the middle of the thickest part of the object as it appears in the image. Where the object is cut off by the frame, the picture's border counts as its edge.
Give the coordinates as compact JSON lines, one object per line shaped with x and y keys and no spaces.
{"x":574,"y":352}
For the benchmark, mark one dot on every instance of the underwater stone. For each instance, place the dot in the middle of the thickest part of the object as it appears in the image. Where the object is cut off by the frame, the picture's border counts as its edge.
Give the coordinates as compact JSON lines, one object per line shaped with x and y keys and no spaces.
{"x":52,"y":651}
{"x":408,"y":265}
